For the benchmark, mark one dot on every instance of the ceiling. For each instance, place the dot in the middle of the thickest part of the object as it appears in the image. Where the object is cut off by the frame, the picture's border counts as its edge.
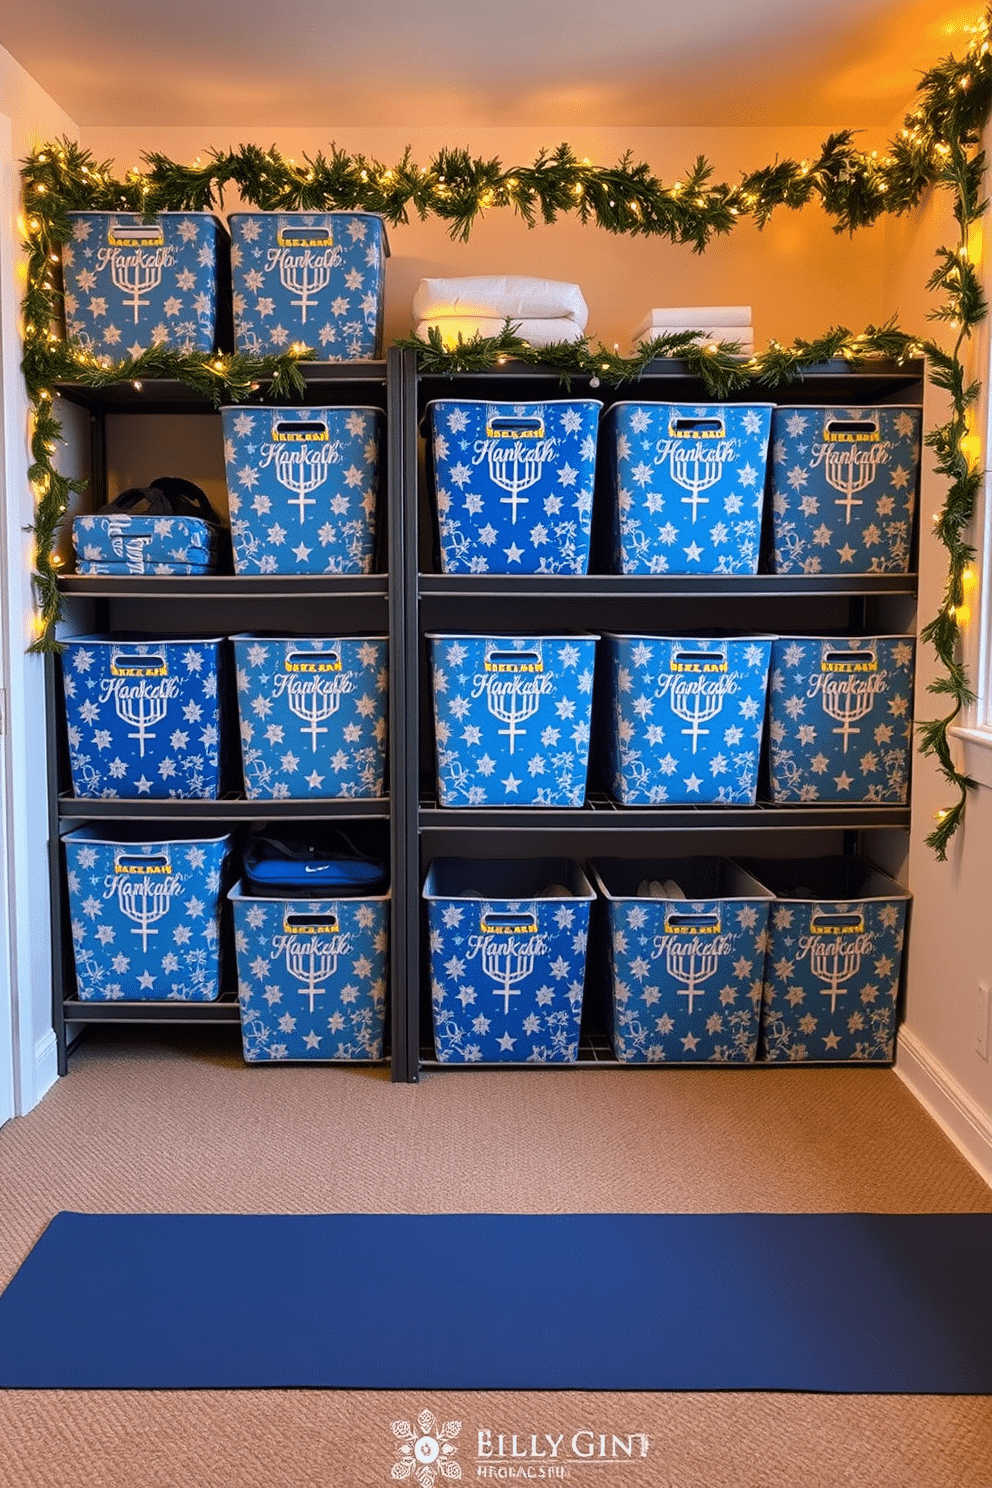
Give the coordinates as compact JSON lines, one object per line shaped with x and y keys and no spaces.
{"x":447,"y":63}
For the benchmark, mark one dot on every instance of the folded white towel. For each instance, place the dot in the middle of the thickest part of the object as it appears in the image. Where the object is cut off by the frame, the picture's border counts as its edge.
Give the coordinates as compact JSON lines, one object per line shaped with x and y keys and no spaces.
{"x":498,"y":295}
{"x":537,"y":332}
{"x":688,"y":317}
{"x":743,"y":338}
{"x":705,"y":328}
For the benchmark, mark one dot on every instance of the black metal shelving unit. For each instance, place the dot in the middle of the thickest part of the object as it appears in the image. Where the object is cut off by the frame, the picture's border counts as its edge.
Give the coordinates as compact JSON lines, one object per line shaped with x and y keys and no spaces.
{"x":490,"y":603}
{"x":410,"y":597}
{"x":227,"y":603}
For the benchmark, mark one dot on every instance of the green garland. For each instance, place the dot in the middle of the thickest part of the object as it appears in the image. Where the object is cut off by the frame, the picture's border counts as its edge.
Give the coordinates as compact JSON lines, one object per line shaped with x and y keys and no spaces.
{"x":938,"y":146}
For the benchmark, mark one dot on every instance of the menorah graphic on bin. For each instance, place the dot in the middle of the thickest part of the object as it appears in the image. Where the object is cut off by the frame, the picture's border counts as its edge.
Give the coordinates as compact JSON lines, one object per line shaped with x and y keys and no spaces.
{"x":144,"y":897}
{"x":141,"y":709}
{"x":847,"y":705}
{"x":695,"y":705}
{"x":834,"y":962}
{"x":305,"y":278}
{"x":313,"y":705}
{"x":695,"y":710}
{"x":514,"y":466}
{"x":505,"y":961}
{"x":513,"y":705}
{"x":308,"y":961}
{"x":690,"y":963}
{"x":694,"y":466}
{"x":135,"y":276}
{"x":300,"y":477}
{"x":843,"y":472}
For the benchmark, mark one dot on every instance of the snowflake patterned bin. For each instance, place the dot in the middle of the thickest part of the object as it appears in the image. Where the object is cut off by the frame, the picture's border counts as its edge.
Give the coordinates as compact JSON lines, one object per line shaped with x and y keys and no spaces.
{"x":513,"y":484}
{"x":119,"y":544}
{"x":145,"y":716}
{"x":512,"y":718}
{"x":834,"y":961}
{"x":844,"y":484}
{"x":311,"y":277}
{"x":508,"y":947}
{"x":311,"y":977}
{"x":686,"y":486}
{"x":683,"y":718}
{"x":302,"y":488}
{"x":146,"y":914}
{"x":132,"y":284}
{"x":313,"y":716}
{"x":684,"y":974}
{"x":840,"y":718}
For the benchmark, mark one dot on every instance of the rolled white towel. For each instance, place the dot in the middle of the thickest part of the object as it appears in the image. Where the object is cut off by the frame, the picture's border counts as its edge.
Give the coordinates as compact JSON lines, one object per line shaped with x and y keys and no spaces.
{"x":652,"y":889}
{"x":742,"y":335}
{"x":687,"y":317}
{"x":499,"y":295}
{"x":536,"y":332}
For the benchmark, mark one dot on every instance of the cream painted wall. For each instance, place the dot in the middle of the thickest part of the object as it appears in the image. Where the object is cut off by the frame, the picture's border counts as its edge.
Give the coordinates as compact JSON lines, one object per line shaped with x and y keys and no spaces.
{"x":32,"y":117}
{"x":798,"y":276}
{"x":951,"y":938}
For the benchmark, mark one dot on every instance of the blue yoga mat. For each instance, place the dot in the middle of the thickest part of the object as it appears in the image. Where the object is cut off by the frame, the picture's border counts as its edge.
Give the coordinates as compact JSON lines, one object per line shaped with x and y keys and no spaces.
{"x":846,"y":1303}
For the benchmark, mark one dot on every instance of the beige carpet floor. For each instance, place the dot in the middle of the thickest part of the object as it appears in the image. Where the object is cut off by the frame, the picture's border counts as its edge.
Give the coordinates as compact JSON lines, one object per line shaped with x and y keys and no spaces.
{"x":175,"y":1121}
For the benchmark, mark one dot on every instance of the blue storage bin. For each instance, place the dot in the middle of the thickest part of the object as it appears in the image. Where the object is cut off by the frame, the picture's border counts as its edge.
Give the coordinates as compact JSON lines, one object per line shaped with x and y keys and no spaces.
{"x":121,"y":544}
{"x":686,"y":486}
{"x":146,"y":914}
{"x":144,"y":715}
{"x":844,"y":484}
{"x":513,"y":484}
{"x":311,"y":277}
{"x":684,"y":717}
{"x":840,"y":718}
{"x":507,"y":958}
{"x":302,"y":488}
{"x":512,"y":718}
{"x":834,"y":961}
{"x":685,"y":974}
{"x":132,"y":284}
{"x":311,"y":977}
{"x":313,"y":716}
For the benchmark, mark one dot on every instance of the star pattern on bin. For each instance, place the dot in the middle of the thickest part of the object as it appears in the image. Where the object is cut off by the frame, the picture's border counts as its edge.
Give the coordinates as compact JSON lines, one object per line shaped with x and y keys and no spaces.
{"x":687,"y":486}
{"x":843,"y":488}
{"x":513,"y":484}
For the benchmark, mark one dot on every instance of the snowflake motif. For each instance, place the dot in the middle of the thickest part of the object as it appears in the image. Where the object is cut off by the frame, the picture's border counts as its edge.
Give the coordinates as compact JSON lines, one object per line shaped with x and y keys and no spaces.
{"x":426,"y":1453}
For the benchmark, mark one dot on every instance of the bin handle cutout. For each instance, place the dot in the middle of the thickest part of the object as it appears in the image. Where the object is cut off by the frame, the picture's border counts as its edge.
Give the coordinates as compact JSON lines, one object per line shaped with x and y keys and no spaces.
{"x":124,"y":664}
{"x":312,"y":661}
{"x":858,"y":430}
{"x":849,"y":661}
{"x":824,"y":923}
{"x":514,"y":661}
{"x":698,"y":428}
{"x":681,"y":923}
{"x":308,"y":924}
{"x":494,"y":923}
{"x":300,"y":429}
{"x":305,"y":237}
{"x":515,"y":428}
{"x":131,"y":863}
{"x":141,"y":234}
{"x":699,"y":661}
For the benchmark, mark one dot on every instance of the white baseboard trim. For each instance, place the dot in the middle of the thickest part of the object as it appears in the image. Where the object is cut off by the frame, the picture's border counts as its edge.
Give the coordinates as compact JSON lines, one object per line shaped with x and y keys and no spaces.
{"x":46,"y":1065}
{"x":950,"y":1105}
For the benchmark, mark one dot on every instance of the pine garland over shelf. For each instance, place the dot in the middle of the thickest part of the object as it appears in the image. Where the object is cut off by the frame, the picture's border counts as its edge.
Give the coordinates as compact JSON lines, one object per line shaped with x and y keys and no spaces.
{"x":938,"y":146}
